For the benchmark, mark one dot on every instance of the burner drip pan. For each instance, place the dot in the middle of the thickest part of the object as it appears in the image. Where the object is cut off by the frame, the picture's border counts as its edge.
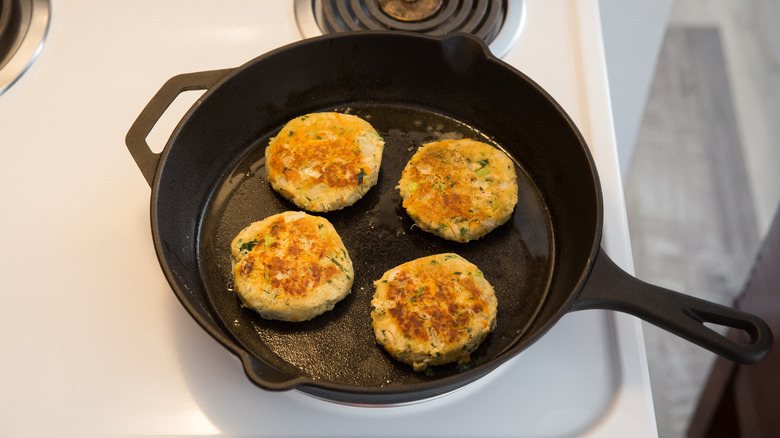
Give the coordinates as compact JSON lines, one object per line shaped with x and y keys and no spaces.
{"x":23,"y":26}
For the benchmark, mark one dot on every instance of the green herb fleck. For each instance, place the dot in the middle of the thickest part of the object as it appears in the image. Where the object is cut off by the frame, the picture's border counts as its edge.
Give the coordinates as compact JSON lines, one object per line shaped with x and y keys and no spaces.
{"x":360,"y":176}
{"x":246,"y":247}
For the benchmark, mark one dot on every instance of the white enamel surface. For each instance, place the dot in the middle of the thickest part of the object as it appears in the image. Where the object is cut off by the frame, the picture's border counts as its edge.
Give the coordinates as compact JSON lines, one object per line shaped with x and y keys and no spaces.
{"x":96,"y":344}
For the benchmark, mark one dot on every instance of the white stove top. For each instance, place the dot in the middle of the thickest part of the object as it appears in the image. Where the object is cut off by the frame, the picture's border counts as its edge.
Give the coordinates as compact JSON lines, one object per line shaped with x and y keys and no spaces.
{"x":95,"y":342}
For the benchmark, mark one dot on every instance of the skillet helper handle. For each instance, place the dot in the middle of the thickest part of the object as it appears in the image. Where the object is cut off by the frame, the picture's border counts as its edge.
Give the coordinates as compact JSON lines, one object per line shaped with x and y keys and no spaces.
{"x":609,"y":287}
{"x":144,"y":157}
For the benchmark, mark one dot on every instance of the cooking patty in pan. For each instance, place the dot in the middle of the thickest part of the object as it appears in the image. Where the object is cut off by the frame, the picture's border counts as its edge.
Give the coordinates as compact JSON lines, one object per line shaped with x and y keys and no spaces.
{"x":324,"y":161}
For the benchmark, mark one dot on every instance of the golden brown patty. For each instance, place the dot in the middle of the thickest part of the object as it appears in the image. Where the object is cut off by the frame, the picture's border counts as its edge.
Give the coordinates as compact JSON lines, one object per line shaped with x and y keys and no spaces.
{"x":324,"y":161}
{"x":291,"y":266}
{"x":433,"y":310}
{"x":459,"y":189}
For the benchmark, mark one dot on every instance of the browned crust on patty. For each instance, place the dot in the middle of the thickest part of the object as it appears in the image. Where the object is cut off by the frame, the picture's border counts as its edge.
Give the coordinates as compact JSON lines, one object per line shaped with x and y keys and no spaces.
{"x":291,"y":266}
{"x":433,"y":310}
{"x":324,"y":161}
{"x":459,"y":189}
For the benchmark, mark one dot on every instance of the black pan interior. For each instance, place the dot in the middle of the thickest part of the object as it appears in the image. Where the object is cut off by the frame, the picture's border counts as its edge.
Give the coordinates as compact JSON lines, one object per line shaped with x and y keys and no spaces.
{"x":339,"y":346}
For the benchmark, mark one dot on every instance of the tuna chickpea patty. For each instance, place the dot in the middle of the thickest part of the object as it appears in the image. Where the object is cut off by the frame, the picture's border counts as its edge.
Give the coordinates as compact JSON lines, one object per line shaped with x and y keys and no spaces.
{"x":324,"y":161}
{"x":433,"y":310}
{"x":291,"y":266}
{"x":459,"y":189}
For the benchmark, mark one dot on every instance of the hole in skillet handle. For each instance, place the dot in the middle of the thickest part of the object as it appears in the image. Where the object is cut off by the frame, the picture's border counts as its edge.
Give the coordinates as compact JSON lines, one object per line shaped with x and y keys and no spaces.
{"x":609,"y":287}
{"x":175,"y":112}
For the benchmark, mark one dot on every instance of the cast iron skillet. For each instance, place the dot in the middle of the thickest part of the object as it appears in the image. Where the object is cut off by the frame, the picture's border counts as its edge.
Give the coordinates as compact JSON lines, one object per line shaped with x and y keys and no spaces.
{"x":208,"y":183}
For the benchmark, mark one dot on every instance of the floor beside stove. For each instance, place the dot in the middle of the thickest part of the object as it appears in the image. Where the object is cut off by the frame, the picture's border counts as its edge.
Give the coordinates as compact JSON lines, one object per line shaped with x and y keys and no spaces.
{"x":703,"y":187}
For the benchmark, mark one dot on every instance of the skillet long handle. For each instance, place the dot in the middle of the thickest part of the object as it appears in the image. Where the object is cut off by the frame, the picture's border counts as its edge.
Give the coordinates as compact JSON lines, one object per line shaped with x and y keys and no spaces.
{"x":609,"y":287}
{"x":135,"y":140}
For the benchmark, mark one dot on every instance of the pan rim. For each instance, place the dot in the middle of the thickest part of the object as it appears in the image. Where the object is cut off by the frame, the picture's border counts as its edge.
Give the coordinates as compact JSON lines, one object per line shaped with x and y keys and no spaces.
{"x":304,"y":383}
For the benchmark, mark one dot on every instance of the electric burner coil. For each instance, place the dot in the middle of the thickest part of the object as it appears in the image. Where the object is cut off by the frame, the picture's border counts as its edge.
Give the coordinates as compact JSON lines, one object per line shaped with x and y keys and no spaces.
{"x":481,"y":18}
